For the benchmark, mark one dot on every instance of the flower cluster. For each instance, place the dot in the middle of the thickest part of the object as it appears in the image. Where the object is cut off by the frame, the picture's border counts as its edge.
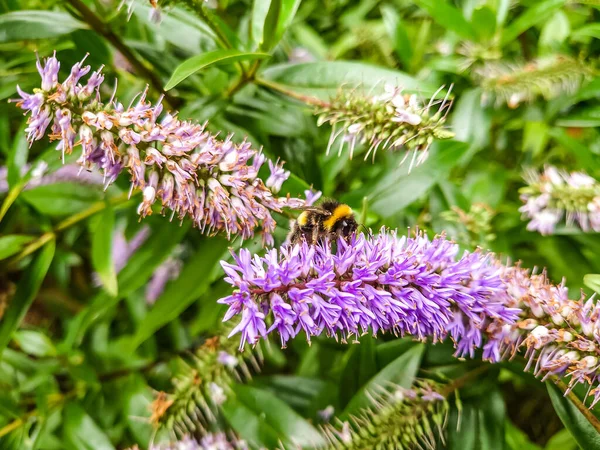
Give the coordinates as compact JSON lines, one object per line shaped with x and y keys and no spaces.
{"x":399,"y":418}
{"x":407,"y":286}
{"x":517,"y":83}
{"x":560,"y":336}
{"x":210,"y":441}
{"x":555,"y":194}
{"x":393,"y":120}
{"x":177,"y":163}
{"x":202,"y":385}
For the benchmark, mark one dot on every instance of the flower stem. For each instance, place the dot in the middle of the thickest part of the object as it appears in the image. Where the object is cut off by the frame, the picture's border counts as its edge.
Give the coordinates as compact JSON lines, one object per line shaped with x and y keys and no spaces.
{"x":69,"y":221}
{"x":104,"y":30}
{"x":589,"y":415}
{"x":312,"y":101}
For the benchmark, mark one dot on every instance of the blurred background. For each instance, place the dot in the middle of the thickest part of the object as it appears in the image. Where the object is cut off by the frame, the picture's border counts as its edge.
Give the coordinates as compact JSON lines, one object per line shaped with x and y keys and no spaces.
{"x":86,"y":365}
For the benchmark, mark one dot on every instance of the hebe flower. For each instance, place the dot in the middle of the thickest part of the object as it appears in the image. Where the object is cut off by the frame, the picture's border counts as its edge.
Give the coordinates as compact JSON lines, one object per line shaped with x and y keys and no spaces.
{"x":406,"y":286}
{"x":555,"y":195}
{"x":558,"y":336}
{"x":393,"y":121}
{"x":176,"y":163}
{"x":399,"y":418}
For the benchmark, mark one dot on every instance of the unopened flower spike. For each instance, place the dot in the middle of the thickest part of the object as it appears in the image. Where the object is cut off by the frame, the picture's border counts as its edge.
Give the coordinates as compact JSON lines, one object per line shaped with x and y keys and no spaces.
{"x":391,"y":121}
{"x":201,"y":385}
{"x":398,"y":418}
{"x":175,"y":163}
{"x":514,"y":83}
{"x":555,"y":195}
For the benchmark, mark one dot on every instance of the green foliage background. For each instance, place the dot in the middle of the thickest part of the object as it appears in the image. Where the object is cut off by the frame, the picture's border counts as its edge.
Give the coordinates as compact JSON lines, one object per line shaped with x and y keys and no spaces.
{"x":81,"y":364}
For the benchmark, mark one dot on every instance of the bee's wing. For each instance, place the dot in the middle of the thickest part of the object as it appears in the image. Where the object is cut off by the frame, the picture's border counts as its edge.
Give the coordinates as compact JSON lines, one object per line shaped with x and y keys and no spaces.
{"x":316,"y":209}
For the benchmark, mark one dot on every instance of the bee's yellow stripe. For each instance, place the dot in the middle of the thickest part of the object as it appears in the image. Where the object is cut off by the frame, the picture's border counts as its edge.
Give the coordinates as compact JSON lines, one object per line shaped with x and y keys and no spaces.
{"x":302,"y":219}
{"x":341,"y":212}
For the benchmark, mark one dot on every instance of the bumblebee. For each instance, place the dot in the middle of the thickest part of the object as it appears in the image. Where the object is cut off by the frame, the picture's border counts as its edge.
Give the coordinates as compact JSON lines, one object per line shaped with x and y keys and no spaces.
{"x":331,"y":219}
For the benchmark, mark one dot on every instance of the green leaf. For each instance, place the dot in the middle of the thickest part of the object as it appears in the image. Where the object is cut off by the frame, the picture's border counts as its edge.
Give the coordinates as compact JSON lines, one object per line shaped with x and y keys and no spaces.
{"x":62,"y":199}
{"x":397,"y":190}
{"x":397,"y":31}
{"x":216,"y":57}
{"x":581,"y":429}
{"x":360,"y":367}
{"x":584,"y":118}
{"x":192,"y":283}
{"x":270,"y":19}
{"x":448,"y":16}
{"x":470,"y":121}
{"x":592,"y":281}
{"x":484,"y":22}
{"x":402,"y":372}
{"x":27,"y":289}
{"x":102,"y":229}
{"x":80,"y":432}
{"x":179,"y":28}
{"x":258,"y":415}
{"x":12,"y":244}
{"x":539,"y":13}
{"x":586,"y":31}
{"x":482,"y":422}
{"x":270,"y":29}
{"x":323,"y":79}
{"x":28,"y":25}
{"x":34,"y":343}
{"x":134,"y":275}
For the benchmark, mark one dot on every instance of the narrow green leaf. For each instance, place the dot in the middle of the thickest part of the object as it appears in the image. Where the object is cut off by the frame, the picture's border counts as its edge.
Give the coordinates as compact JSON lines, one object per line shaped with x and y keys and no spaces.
{"x":102,"y":228}
{"x":397,"y":31}
{"x":260,"y":9}
{"x":397,"y":190}
{"x":28,"y":25}
{"x":193,"y":282}
{"x":62,"y":199}
{"x":360,"y":366}
{"x":27,"y":289}
{"x":80,"y":432}
{"x":134,"y":275}
{"x":470,"y":120}
{"x":12,"y":244}
{"x":448,"y":16}
{"x":592,"y":281}
{"x":34,"y":343}
{"x":323,"y":79}
{"x":402,"y":371}
{"x":582,"y":430}
{"x":288,"y":425}
{"x":270,"y":28}
{"x":216,"y":57}
{"x":538,"y":13}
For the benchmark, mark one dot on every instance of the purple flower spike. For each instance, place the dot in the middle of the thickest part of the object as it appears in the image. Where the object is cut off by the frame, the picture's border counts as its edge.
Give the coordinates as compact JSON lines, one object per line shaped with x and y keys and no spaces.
{"x":406,"y":286}
{"x":175,"y":163}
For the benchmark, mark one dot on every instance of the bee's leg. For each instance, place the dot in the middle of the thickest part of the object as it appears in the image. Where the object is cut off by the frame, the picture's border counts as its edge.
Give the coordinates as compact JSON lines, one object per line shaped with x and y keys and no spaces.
{"x":315,"y":235}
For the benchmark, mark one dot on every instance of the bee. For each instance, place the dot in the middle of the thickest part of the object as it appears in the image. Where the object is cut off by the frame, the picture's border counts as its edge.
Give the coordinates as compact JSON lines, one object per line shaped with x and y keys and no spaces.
{"x":331,"y":219}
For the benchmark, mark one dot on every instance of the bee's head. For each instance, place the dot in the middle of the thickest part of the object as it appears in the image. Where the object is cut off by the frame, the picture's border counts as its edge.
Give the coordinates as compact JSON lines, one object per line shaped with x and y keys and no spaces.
{"x":346,"y":226}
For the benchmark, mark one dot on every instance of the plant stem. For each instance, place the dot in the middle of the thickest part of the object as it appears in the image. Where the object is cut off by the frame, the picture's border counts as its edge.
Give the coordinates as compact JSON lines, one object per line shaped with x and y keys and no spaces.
{"x":104,"y":30}
{"x":69,"y":221}
{"x":312,"y":101}
{"x":589,"y":415}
